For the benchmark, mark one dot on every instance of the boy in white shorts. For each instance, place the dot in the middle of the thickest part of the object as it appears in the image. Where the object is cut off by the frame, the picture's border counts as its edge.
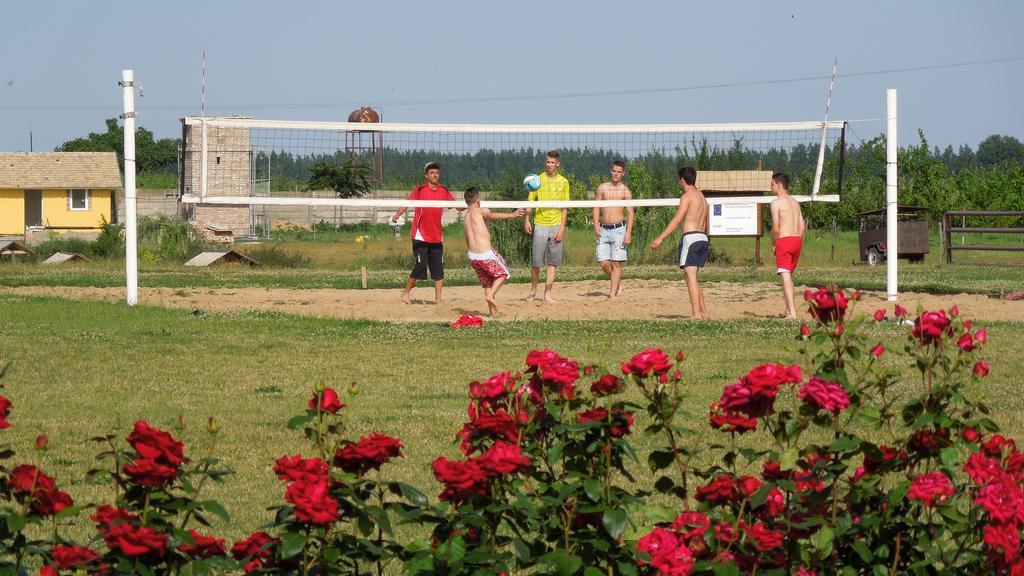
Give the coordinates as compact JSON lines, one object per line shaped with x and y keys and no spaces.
{"x":614,"y":227}
{"x":489,"y":265}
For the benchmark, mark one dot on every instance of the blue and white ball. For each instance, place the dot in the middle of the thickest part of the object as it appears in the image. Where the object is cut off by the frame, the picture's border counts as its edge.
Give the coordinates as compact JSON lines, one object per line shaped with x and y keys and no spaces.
{"x":531,"y":182}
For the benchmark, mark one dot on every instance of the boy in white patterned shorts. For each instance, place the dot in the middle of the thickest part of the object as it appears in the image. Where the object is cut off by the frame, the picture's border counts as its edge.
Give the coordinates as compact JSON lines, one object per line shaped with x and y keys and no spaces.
{"x":489,"y":265}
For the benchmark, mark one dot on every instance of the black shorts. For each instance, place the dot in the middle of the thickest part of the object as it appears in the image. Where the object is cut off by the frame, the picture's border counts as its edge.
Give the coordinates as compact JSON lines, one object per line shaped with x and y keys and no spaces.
{"x":428,"y":255}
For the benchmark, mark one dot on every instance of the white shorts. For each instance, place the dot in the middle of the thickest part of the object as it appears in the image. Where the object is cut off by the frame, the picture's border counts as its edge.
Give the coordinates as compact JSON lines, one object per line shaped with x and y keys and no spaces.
{"x":611,"y":245}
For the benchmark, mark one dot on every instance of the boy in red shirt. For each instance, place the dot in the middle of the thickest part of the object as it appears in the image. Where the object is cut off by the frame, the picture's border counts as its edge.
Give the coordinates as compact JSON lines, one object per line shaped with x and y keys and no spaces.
{"x":427,"y":241}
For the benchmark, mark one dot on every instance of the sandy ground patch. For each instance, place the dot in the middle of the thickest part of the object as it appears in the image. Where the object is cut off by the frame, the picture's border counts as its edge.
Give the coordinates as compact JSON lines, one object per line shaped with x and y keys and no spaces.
{"x":586,"y":300}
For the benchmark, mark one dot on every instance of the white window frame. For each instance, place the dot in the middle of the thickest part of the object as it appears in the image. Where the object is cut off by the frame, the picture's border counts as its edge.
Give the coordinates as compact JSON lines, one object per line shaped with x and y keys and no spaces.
{"x":71,"y":199}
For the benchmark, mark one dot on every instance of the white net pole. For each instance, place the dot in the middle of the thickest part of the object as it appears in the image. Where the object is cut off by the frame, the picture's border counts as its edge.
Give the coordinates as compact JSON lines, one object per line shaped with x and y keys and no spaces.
{"x":131,"y":262}
{"x":891,"y":196}
{"x":824,"y":133}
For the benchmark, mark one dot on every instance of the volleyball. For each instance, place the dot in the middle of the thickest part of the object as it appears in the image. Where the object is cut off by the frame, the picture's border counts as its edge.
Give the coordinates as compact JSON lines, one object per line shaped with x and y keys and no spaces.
{"x":531,"y":182}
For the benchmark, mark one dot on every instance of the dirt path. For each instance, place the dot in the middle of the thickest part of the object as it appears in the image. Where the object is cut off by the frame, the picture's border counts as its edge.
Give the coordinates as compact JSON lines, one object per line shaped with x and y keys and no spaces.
{"x":587,"y":300}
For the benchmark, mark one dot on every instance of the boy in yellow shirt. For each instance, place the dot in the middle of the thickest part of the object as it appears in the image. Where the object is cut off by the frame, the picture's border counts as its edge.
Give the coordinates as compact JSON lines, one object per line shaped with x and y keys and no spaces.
{"x":548,"y":226}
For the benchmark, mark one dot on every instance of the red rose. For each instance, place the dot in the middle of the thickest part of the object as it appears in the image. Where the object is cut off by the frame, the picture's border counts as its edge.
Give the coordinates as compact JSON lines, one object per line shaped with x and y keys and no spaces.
{"x":606,"y":385}
{"x":497,"y":425}
{"x":899,"y":311}
{"x":329,"y":401}
{"x":878,"y":350}
{"x":203,"y":546}
{"x":690,"y":525}
{"x":722,"y":489}
{"x":503,"y":458}
{"x":5,"y":411}
{"x":970,"y":434}
{"x":824,"y":395}
{"x":931,"y":488}
{"x":776,"y":502}
{"x":981,"y":336}
{"x":494,"y":388}
{"x":107,"y":515}
{"x":620,"y":421}
{"x":1002,"y":499}
{"x":295,"y":468}
{"x":26,"y":479}
{"x":668,"y":555}
{"x":154,"y":444}
{"x":772,"y":470}
{"x":730,"y":421}
{"x":650,"y":361}
{"x":929,"y":440}
{"x":980,"y":369}
{"x":553,"y":371}
{"x":1003,"y":541}
{"x":147,"y":472}
{"x":313,"y":502}
{"x":805,"y":330}
{"x":994,"y":446}
{"x":763,"y":538}
{"x":370,"y":453}
{"x":982,"y":469}
{"x":132,"y":540}
{"x":31,"y":485}
{"x":461,"y":480}
{"x":930,"y":326}
{"x":827,"y":304}
{"x":70,"y":557}
{"x":880,"y":314}
{"x":258,"y":544}
{"x":965,"y":342}
{"x":50,"y":502}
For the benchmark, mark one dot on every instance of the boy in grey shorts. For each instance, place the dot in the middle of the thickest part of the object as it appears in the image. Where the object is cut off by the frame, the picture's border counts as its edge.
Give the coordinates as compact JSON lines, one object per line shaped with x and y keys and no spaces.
{"x":613,"y":226}
{"x":547,"y":226}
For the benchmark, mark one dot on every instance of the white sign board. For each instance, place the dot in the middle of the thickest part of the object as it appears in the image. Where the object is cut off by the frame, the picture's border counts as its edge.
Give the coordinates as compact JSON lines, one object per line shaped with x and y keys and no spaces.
{"x":732,"y":219}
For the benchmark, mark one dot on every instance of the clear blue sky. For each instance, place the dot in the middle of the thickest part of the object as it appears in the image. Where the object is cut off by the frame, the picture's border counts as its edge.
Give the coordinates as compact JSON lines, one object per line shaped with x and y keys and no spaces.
{"x":318,"y":60}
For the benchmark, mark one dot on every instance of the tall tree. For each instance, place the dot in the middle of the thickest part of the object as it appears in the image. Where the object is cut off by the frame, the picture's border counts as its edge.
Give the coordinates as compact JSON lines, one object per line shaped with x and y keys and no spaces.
{"x":151,"y":155}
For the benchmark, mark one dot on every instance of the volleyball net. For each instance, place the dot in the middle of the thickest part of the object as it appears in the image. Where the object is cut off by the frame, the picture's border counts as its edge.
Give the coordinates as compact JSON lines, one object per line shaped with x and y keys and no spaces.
{"x":252,"y":162}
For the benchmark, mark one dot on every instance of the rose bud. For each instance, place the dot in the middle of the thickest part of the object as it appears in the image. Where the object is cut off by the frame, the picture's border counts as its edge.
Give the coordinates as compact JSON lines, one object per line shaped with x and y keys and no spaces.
{"x":805,"y":330}
{"x":680,"y":356}
{"x":856,"y":295}
{"x":981,"y":336}
{"x":180,"y":424}
{"x":899,"y":311}
{"x":212,"y":426}
{"x":42,"y":442}
{"x":878,"y":350}
{"x":880,"y":314}
{"x":980,"y":368}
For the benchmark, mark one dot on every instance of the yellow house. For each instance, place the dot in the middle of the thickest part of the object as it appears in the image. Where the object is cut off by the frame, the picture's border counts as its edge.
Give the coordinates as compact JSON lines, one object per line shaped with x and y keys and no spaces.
{"x":59,"y":191}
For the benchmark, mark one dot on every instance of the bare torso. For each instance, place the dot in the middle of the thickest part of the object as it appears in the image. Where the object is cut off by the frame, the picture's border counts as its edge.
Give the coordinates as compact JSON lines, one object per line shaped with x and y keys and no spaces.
{"x":789,"y":218}
{"x":695,"y":218}
{"x":478,"y":236}
{"x":610,"y":191}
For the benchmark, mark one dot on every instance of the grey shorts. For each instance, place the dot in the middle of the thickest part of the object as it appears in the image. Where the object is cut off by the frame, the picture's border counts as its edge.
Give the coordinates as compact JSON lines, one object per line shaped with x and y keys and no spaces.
{"x":545,"y":249}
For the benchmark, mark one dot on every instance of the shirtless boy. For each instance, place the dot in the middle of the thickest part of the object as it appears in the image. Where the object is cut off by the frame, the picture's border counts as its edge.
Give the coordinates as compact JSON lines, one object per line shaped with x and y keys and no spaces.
{"x":788,"y":234}
{"x":613,"y":227}
{"x":694,"y":247}
{"x":490,"y":267}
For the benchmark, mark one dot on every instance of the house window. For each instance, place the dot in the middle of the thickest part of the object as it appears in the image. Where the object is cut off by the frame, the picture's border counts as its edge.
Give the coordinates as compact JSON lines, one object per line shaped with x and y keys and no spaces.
{"x":78,"y":199}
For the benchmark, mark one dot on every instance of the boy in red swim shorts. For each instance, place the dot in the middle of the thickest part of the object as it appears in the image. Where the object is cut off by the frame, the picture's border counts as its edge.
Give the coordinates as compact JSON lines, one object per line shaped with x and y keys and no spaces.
{"x":788,"y":234}
{"x":490,"y":267}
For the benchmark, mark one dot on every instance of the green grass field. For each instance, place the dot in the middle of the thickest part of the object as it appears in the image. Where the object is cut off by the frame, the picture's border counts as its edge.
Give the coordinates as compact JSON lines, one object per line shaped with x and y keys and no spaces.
{"x":82,"y":369}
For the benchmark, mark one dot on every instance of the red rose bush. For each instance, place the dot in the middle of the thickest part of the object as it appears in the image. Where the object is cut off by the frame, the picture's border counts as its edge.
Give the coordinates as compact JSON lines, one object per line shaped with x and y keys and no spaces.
{"x":840,"y":463}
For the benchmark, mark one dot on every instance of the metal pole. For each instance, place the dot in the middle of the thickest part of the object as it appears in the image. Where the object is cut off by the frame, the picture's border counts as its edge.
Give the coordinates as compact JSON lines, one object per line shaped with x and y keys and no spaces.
{"x":891,"y":223}
{"x":131,"y":262}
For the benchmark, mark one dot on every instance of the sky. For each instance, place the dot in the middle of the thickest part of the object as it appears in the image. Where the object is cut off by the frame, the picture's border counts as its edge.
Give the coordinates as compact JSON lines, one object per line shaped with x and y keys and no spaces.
{"x":958,"y":66}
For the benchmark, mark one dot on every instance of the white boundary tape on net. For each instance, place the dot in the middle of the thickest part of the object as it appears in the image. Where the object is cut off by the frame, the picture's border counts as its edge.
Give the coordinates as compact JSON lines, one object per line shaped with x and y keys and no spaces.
{"x":228,"y":122}
{"x":401,"y":203}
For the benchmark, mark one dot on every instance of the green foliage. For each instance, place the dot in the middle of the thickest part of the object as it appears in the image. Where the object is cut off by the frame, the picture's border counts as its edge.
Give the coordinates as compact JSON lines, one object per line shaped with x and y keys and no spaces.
{"x":275,"y":257}
{"x":110,"y":242}
{"x":508,"y":236}
{"x":350,"y":179}
{"x":151,"y":155}
{"x":176,"y":240}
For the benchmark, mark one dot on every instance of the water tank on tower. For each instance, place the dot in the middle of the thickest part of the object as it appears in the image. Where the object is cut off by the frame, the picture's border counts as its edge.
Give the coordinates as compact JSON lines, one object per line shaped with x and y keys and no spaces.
{"x":367,"y":145}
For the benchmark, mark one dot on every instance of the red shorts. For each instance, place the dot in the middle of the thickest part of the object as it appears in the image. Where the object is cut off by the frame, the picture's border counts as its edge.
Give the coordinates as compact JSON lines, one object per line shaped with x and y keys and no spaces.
{"x":489,"y":266}
{"x":787,"y":253}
